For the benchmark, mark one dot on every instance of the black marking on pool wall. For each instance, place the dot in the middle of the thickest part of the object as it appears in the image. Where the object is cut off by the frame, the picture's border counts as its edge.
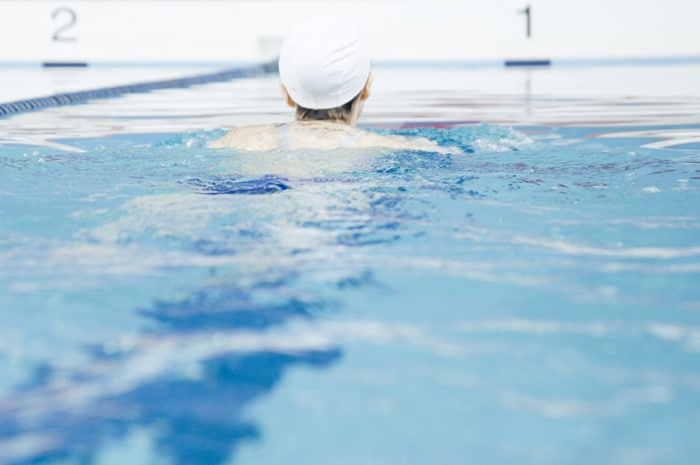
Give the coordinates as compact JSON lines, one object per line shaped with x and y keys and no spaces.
{"x":69,"y":98}
{"x":64,"y":64}
{"x":509,"y":63}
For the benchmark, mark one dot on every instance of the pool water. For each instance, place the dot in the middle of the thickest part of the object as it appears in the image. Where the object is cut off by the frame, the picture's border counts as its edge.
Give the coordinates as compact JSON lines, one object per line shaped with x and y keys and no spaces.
{"x":534,"y":300}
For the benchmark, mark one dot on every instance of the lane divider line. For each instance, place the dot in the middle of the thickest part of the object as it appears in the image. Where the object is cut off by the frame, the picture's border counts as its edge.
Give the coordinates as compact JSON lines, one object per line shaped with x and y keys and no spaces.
{"x":72,"y":98}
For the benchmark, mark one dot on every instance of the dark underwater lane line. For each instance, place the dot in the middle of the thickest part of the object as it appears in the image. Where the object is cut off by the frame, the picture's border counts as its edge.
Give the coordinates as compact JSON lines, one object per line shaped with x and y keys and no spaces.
{"x":196,"y":419}
{"x":226,"y":186}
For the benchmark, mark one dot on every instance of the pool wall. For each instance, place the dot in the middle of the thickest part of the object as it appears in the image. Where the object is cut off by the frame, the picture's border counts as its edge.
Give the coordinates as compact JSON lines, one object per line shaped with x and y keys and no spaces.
{"x":84,"y":32}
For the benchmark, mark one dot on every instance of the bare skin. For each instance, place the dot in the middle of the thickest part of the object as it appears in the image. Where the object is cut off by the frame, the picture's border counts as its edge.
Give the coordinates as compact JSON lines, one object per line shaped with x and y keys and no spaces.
{"x":321,"y":135}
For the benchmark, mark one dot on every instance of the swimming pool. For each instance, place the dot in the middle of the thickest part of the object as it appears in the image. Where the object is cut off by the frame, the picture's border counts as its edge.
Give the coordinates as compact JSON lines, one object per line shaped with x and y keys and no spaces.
{"x":534,"y":300}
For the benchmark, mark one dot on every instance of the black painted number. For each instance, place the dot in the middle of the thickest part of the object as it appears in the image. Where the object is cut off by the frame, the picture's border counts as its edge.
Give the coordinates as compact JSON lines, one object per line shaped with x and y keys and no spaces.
{"x":528,"y":21}
{"x":66,"y":19}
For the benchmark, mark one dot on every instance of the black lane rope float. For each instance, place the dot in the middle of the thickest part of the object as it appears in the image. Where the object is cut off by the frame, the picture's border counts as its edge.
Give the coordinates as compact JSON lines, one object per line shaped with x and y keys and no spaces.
{"x":71,"y":98}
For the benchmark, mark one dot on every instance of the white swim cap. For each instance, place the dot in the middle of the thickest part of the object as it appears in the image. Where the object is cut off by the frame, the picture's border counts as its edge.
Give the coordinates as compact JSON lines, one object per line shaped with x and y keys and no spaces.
{"x":324,"y":63}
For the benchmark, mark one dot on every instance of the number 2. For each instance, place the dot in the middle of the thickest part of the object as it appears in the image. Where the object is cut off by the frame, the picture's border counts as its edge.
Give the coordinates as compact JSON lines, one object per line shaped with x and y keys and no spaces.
{"x":67,"y":18}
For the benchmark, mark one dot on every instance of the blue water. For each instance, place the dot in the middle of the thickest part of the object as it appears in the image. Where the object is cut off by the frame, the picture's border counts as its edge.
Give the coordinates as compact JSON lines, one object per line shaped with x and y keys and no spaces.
{"x":533,"y":301}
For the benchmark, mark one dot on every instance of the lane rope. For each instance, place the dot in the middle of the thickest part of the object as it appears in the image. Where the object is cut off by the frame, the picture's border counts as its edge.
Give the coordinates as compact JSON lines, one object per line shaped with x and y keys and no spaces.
{"x":72,"y":98}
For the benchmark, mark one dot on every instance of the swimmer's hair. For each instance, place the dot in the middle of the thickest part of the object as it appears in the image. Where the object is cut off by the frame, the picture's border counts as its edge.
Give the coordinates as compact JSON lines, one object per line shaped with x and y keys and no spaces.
{"x":342,"y":113}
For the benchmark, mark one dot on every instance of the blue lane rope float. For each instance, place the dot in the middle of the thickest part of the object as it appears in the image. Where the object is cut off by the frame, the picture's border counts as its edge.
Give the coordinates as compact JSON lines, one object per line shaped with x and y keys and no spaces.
{"x":71,"y":98}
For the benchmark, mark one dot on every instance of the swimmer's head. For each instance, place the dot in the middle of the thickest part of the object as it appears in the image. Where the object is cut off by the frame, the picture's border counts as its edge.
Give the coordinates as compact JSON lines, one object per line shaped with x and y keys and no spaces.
{"x":324,"y":63}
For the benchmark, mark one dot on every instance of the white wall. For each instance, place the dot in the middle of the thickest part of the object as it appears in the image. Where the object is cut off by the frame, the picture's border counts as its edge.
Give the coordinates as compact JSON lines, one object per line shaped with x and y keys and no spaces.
{"x":249,"y":31}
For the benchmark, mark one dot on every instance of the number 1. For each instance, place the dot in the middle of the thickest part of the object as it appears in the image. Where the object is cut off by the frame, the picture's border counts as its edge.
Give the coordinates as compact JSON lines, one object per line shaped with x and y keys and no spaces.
{"x":528,"y":28}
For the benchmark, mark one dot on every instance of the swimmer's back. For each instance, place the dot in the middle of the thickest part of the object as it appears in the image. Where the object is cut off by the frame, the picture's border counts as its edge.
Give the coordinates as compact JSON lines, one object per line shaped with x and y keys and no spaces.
{"x":317,"y":135}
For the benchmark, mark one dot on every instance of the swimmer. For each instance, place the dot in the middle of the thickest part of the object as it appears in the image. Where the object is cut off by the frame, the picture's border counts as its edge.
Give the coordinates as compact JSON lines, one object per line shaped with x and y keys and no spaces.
{"x":324,"y":66}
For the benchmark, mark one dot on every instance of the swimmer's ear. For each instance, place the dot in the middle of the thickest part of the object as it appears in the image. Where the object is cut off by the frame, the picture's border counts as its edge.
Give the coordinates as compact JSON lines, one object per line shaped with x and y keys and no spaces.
{"x":289,"y":100}
{"x":366,"y":91}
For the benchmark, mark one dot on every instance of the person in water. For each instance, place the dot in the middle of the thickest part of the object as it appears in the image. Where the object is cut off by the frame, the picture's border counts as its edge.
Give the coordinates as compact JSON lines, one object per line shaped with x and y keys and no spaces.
{"x":324,"y":66}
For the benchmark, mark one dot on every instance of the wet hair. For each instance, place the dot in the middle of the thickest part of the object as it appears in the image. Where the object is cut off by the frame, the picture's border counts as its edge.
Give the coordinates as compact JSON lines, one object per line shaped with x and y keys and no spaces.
{"x":342,"y":113}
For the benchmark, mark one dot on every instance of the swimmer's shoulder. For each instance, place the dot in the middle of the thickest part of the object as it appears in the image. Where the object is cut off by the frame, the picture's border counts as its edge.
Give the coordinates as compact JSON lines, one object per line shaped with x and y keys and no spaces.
{"x":393,"y":141}
{"x":321,"y":136}
{"x":253,"y":138}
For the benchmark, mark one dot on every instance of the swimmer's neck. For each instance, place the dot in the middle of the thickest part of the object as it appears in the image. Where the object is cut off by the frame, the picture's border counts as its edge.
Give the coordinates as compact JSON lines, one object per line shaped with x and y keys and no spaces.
{"x":326,"y":122}
{"x":348,"y":119}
